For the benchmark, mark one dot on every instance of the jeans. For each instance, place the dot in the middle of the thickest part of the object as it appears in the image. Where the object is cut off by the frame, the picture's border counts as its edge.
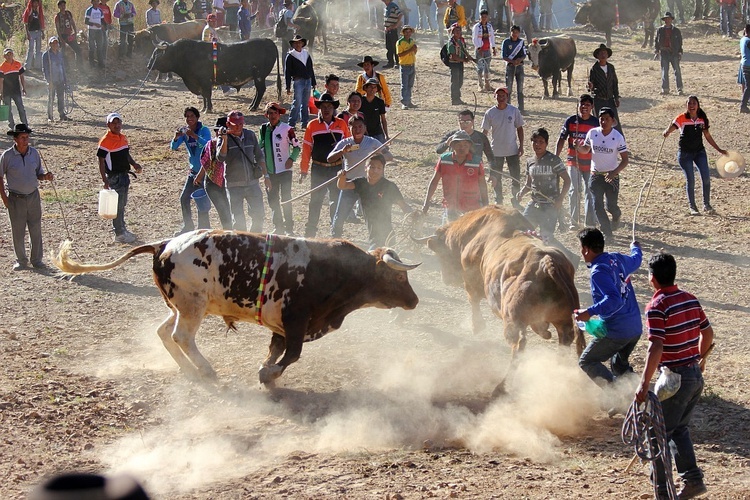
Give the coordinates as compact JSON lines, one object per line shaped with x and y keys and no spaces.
{"x":218,"y":197}
{"x":407,"y":83}
{"x":23,"y":213}
{"x":545,"y":14}
{"x":73,"y":44}
{"x":514,"y":169}
{"x":678,"y":411}
{"x":185,"y":205}
{"x":121,"y":184}
{"x":391,"y":37}
{"x":318,"y":175}
{"x":667,"y":59}
{"x":34,"y":55}
{"x":515,"y":73}
{"x":702,"y":12}
{"x":686,"y":161}
{"x":746,"y":92}
{"x":301,"y":96}
{"x":19,"y":106}
{"x":578,"y":178}
{"x":347,"y":199}
{"x":727,"y":14}
{"x":600,"y":189}
{"x":457,"y":81}
{"x":281,"y":190}
{"x":127,"y":37}
{"x":617,"y":351}
{"x":254,"y":196}
{"x":59,"y":90}
{"x":97,"y":47}
{"x":484,"y":58}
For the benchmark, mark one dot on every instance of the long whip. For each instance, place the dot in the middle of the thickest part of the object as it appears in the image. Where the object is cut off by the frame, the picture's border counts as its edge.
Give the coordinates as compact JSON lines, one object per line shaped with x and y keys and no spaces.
{"x":59,"y":202}
{"x":334,"y":179}
{"x":637,"y":206}
{"x":656,"y":166}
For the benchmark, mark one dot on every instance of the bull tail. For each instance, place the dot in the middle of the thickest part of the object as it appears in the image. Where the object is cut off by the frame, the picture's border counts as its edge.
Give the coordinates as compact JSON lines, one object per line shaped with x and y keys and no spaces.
{"x":278,"y":75}
{"x":72,"y":267}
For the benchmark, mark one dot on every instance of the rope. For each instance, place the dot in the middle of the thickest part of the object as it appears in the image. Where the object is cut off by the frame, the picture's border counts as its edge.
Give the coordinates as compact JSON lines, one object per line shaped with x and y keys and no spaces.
{"x":645,"y":430}
{"x":99,"y":115}
{"x":637,"y":206}
{"x":59,"y":202}
{"x":656,"y":165}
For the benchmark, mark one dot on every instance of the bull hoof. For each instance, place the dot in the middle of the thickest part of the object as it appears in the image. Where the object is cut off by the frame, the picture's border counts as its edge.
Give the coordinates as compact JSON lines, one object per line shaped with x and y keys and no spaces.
{"x":268,"y":374}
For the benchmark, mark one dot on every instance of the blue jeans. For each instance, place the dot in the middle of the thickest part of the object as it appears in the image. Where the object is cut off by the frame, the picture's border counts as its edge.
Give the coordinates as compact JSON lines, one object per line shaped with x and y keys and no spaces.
{"x":187,"y":211}
{"x":484,"y":58}
{"x":318,"y":175}
{"x":425,"y":22}
{"x":407,"y":83}
{"x":121,"y":184}
{"x":544,"y":216}
{"x":577,"y":178}
{"x":34,"y":55}
{"x":727,"y":14}
{"x":617,"y":351}
{"x":746,"y":93}
{"x":300,"y":98}
{"x":601,"y":189}
{"x":254,"y":196}
{"x":515,"y":73}
{"x":347,"y":199}
{"x":700,"y":160}
{"x":668,"y":59}
{"x":218,"y":197}
{"x":442,"y":32}
{"x":678,"y":411}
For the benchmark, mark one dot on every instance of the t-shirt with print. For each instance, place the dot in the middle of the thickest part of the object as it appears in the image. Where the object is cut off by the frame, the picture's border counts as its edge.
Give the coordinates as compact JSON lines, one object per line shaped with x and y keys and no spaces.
{"x":575,"y":128}
{"x":545,"y":176}
{"x":12,"y":77}
{"x":691,"y":132}
{"x":605,"y":149}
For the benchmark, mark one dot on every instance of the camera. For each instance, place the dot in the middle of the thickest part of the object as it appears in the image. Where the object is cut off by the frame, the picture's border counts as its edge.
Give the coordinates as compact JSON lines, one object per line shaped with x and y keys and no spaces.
{"x":182,"y":130}
{"x":222,"y":130}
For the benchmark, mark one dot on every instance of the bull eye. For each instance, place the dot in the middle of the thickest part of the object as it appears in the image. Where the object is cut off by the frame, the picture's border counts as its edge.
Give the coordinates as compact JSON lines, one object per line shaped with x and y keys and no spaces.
{"x":401,"y":277}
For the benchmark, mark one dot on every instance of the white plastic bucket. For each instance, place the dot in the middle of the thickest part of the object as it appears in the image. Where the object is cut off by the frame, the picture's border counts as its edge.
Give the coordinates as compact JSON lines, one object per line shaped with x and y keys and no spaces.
{"x":107,"y":203}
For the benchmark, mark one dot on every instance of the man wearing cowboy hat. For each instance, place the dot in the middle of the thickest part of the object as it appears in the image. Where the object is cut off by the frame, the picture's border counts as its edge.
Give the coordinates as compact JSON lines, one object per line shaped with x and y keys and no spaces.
{"x":604,"y":85}
{"x":392,"y":18}
{"x":373,"y":108}
{"x":322,"y":134}
{"x":406,"y":49}
{"x":298,"y":67}
{"x":462,"y":175}
{"x":368,"y":71}
{"x":53,"y":69}
{"x":668,"y":46}
{"x":21,"y":170}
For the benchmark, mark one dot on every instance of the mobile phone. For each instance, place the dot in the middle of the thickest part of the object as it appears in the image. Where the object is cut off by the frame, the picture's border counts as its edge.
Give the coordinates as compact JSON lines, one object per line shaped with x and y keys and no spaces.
{"x":354,"y":147}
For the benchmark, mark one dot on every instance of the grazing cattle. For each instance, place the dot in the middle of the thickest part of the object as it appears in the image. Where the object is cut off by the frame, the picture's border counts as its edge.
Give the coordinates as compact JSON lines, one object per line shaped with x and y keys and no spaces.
{"x":525,"y":282}
{"x":145,"y":40}
{"x":299,"y":289}
{"x":604,"y":14}
{"x":237,"y":64}
{"x":550,"y":57}
{"x":311,"y":23}
{"x":10,"y":20}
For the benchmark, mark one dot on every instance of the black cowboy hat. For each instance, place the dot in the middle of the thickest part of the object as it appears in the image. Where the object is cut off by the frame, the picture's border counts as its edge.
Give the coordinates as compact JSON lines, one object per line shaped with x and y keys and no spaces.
{"x":602,"y":47}
{"x":326,"y":97}
{"x":298,"y":38}
{"x":368,"y":59}
{"x":667,"y":14}
{"x":21,"y":128}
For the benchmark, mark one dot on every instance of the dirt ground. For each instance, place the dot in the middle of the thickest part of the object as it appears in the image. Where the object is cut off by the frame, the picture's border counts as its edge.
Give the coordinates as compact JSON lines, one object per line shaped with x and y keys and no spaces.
{"x":390,"y":406}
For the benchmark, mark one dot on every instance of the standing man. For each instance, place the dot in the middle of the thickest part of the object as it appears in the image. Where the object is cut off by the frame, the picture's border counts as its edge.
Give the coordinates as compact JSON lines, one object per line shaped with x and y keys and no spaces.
{"x":287,"y":13}
{"x":406,"y":50}
{"x":21,"y":170}
{"x":321,"y":136}
{"x":520,"y":11}
{"x":614,"y":302}
{"x":231,"y":13}
{"x":33,"y":19}
{"x":53,"y":68}
{"x":441,"y":6}
{"x":14,"y":86}
{"x":483,"y":36}
{"x":462,"y":175}
{"x":605,"y":143}
{"x":726,"y":11}
{"x":505,"y":123}
{"x":391,"y":23}
{"x":298,"y":67}
{"x":373,"y":108}
{"x":668,"y":46}
{"x":281,"y":149}
{"x":245,"y":166}
{"x":368,"y":71}
{"x":604,"y":84}
{"x":574,"y":130}
{"x":458,"y":54}
{"x":545,"y":14}
{"x":114,"y":167}
{"x":94,"y":19}
{"x":679,"y":336}
{"x":514,"y":53}
{"x":454,"y":14}
{"x":125,"y":12}
{"x":66,"y":29}
{"x":481,"y":142}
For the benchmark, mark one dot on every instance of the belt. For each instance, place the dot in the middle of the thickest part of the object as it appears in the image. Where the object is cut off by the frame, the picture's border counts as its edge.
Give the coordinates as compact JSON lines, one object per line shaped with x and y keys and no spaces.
{"x":19,"y":195}
{"x":323,"y":164}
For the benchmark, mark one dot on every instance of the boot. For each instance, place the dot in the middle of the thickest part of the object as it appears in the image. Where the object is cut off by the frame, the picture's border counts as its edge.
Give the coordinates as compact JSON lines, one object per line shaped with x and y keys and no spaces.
{"x":487,"y":85}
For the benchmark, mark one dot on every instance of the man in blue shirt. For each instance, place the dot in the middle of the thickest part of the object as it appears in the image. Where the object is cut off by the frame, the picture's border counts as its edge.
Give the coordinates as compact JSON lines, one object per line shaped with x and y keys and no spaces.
{"x":53,"y":68}
{"x":615,"y":303}
{"x":514,"y":53}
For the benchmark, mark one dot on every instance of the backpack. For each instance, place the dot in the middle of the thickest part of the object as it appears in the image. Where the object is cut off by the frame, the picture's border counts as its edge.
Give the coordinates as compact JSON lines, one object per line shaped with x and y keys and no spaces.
{"x":444,"y":56}
{"x":280,"y":28}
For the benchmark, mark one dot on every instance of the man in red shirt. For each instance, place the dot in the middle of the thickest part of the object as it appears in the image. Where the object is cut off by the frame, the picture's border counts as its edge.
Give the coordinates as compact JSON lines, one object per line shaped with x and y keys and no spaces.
{"x":679,"y":336}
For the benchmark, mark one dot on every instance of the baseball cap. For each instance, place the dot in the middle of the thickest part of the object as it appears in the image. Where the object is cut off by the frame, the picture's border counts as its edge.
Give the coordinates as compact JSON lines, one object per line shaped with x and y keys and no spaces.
{"x":52,"y":39}
{"x":275,"y":105}
{"x":111,"y":117}
{"x":235,"y":117}
{"x":502,"y":88}
{"x":8,"y":50}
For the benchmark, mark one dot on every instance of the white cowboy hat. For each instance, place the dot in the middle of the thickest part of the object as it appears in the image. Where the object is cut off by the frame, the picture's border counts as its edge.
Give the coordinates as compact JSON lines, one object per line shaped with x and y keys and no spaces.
{"x":730,"y":165}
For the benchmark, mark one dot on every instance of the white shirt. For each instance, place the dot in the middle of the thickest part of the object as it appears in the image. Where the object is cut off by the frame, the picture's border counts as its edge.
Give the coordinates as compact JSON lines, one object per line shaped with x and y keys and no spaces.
{"x":502,"y":124}
{"x":605,"y":149}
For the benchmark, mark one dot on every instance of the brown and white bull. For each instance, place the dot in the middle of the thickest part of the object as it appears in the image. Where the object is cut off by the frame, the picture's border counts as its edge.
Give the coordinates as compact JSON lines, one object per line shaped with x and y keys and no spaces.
{"x":299,"y":289}
{"x":525,"y":282}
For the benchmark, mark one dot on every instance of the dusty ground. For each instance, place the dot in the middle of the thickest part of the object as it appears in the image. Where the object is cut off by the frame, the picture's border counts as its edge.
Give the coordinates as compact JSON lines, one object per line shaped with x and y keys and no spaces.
{"x":380,"y":409}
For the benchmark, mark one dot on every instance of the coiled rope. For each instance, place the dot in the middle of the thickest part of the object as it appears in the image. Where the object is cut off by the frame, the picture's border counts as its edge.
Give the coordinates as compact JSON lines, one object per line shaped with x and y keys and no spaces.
{"x":646,"y":431}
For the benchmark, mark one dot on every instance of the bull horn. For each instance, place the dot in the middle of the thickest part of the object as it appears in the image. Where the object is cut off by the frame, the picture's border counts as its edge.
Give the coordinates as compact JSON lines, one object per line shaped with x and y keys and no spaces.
{"x":158,"y":43}
{"x":396,"y":264}
{"x":421,"y":240}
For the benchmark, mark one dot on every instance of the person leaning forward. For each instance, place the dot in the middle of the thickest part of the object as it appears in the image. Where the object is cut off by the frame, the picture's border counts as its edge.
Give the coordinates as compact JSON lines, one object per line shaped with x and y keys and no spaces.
{"x":21,"y":170}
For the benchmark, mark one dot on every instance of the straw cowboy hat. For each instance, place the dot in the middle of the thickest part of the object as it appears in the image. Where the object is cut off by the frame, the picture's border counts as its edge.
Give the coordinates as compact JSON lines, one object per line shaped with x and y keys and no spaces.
{"x":602,"y":47}
{"x":730,"y":165}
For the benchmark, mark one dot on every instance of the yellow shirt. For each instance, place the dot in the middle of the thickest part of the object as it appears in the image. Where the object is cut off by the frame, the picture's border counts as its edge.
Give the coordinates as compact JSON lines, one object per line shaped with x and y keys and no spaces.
{"x":402,"y":45}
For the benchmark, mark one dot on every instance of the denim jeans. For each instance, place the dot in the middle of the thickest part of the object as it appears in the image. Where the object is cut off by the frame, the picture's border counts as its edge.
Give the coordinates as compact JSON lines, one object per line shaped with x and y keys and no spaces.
{"x":407,"y":83}
{"x":7,"y":98}
{"x":121,"y":184}
{"x":514,"y":169}
{"x":617,"y":351}
{"x":55,"y":89}
{"x":97,"y":47}
{"x":727,"y":15}
{"x":347,"y":199}
{"x":700,"y":160}
{"x":746,"y":93}
{"x":218,"y":197}
{"x":34,"y":54}
{"x":515,"y":73}
{"x":187,"y":211}
{"x":578,"y":178}
{"x":440,"y":25}
{"x":678,"y":411}
{"x":300,"y":98}
{"x":668,"y":59}
{"x":281,"y":190}
{"x":318,"y":175}
{"x":457,"y":81}
{"x":254,"y":196}
{"x":484,"y":58}
{"x":127,"y":38}
{"x":601,"y":189}
{"x":23,"y":213}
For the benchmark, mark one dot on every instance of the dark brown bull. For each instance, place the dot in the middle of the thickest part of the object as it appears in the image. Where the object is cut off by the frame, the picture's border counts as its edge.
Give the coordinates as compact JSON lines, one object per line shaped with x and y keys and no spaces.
{"x":309,"y":18}
{"x":604,"y":14}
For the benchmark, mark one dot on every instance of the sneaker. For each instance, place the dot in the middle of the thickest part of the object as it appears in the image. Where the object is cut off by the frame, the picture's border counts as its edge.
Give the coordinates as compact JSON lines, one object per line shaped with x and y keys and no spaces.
{"x":412,"y":105}
{"x":708,"y":210}
{"x":694,"y":210}
{"x":680,"y":92}
{"x":404,"y":106}
{"x":125,"y":238}
{"x":664,"y":92}
{"x":19,"y":266}
{"x":692,"y":489}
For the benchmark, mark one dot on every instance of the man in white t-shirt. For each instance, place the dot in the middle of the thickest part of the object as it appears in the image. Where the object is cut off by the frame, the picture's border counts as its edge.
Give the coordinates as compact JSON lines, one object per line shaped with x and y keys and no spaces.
{"x":606,"y":144}
{"x":505,"y":123}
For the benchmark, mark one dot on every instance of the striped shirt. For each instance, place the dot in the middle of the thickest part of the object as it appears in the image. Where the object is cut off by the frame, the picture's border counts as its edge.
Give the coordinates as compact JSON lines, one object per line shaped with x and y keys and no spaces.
{"x":392,"y":15}
{"x":575,"y":128}
{"x":677,"y":319}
